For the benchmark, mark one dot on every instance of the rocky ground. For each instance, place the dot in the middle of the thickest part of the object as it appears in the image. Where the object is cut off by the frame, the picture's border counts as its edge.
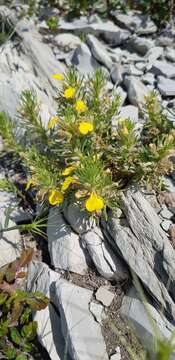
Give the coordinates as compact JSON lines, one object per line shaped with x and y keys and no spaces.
{"x":86,"y":270}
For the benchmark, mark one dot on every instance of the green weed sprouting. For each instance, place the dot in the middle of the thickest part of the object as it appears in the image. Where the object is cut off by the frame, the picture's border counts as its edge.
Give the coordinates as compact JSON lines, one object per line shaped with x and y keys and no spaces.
{"x":53,"y":23}
{"x":80,"y":156}
{"x":17,"y":330}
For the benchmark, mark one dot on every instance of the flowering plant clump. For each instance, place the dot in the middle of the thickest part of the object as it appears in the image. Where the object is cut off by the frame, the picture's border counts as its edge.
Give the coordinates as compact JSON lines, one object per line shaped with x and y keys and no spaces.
{"x":87,"y":153}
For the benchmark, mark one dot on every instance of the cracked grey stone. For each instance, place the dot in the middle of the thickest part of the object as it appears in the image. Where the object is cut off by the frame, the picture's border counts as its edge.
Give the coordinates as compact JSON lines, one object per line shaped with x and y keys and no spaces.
{"x":139,"y":316}
{"x":148,"y":78}
{"x":165,"y":213}
{"x":99,"y":51}
{"x":141,"y":45}
{"x":110,"y":32}
{"x":136,"y":90}
{"x":163,"y":68}
{"x":129,"y":112}
{"x":64,"y":245}
{"x":170,"y":54}
{"x":166,"y":225}
{"x":116,"y":74}
{"x":105,"y":296}
{"x":97,"y":311}
{"x":82,"y":333}
{"x":145,"y":247}
{"x":67,"y":40}
{"x":135,"y":21}
{"x":107,"y":263}
{"x":78,"y":218}
{"x":153,"y":54}
{"x":83,"y":60}
{"x":42,"y":278}
{"x":166,"y":86}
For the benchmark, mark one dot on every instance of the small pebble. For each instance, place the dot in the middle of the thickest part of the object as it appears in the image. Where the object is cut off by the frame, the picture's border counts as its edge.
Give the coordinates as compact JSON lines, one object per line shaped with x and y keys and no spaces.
{"x":104,"y":296}
{"x":166,"y":225}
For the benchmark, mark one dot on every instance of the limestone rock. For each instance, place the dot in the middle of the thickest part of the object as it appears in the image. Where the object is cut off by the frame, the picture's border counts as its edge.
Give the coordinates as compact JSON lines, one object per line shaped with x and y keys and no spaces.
{"x":41,"y":278}
{"x":141,"y":45}
{"x":78,"y":325}
{"x":134,"y":310}
{"x":116,"y":74}
{"x":98,"y":311}
{"x":145,"y":247}
{"x":136,"y":90}
{"x":163,"y":68}
{"x":99,"y":51}
{"x":10,"y":244}
{"x":129,"y":112}
{"x":103,"y":257}
{"x":166,"y":86}
{"x":78,"y":218}
{"x":110,"y":32}
{"x":170,"y":54}
{"x":153,"y":54}
{"x":66,"y":40}
{"x":64,"y":245}
{"x":83,"y":60}
{"x":104,"y":296}
{"x":135,"y":21}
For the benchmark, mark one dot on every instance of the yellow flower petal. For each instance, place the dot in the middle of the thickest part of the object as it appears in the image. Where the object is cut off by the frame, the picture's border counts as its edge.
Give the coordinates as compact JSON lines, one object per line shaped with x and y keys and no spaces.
{"x":58,"y":76}
{"x":53,"y":121}
{"x":29,"y":184}
{"x":55,"y":197}
{"x":69,"y":92}
{"x":125,"y":131}
{"x":68,"y":170}
{"x":85,"y":127}
{"x":94,"y":203}
{"x":67,"y":182}
{"x":80,"y":106}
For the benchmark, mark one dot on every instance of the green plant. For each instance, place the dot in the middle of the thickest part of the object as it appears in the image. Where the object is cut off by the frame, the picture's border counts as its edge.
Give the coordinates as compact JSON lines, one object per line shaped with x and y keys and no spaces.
{"x":80,"y":157}
{"x":161,"y":11}
{"x":52,"y":23}
{"x":17,"y":330}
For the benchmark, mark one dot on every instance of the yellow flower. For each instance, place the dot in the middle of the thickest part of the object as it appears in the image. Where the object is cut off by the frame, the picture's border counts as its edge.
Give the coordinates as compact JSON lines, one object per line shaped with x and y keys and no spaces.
{"x":68,"y":170}
{"x":58,"y":76}
{"x":53,"y":121}
{"x":94,"y":203}
{"x":80,"y":106}
{"x":125,"y":131}
{"x":29,"y":184}
{"x":55,"y":197}
{"x":85,"y":127}
{"x":69,"y":92}
{"x":67,"y":182}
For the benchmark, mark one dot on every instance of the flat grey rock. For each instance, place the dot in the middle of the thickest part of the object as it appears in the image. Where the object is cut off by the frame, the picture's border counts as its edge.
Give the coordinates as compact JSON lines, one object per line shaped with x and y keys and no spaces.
{"x":78,"y":218}
{"x":103,"y":257}
{"x":82,"y":333}
{"x":134,"y":310}
{"x":110,"y":32}
{"x":129,"y":112}
{"x":64,"y":245}
{"x":166,"y":225}
{"x":68,"y":41}
{"x":83,"y":60}
{"x":135,"y":21}
{"x":166,"y":86}
{"x":97,"y":311}
{"x":141,"y":45}
{"x":148,"y":78}
{"x":132,"y":70}
{"x":116,"y":73}
{"x":163,"y":68}
{"x":105,"y":296}
{"x":99,"y":51}
{"x":41,"y":278}
{"x":136,"y":90}
{"x":170,"y":54}
{"x":153,"y":54}
{"x":145,"y":247}
{"x":10,"y":242}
